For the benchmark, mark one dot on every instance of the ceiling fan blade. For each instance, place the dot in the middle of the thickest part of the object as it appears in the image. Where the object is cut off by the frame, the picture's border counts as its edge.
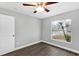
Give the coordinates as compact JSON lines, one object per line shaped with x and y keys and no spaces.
{"x":46,"y":10}
{"x":48,"y":3}
{"x":28,"y":4}
{"x":35,"y":11}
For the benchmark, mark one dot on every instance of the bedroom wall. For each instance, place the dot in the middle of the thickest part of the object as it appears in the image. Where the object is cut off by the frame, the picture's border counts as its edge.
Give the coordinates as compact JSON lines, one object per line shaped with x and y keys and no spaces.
{"x":27,"y":28}
{"x":46,"y":29}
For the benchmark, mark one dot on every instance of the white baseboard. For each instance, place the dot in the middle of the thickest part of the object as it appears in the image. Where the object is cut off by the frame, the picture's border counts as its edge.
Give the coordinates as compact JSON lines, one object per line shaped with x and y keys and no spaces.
{"x":72,"y":50}
{"x":27,"y":45}
{"x":22,"y":47}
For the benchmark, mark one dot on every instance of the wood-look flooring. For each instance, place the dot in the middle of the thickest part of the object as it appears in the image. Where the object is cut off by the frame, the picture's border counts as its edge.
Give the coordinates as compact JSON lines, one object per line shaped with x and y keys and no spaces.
{"x":41,"y":49}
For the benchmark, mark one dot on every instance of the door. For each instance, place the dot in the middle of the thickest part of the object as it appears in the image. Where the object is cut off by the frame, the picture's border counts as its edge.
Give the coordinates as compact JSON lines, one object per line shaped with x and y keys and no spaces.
{"x":7,"y":33}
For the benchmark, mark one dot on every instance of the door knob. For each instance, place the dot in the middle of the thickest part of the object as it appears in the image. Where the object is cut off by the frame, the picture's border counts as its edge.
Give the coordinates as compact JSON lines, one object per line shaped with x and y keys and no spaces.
{"x":13,"y":35}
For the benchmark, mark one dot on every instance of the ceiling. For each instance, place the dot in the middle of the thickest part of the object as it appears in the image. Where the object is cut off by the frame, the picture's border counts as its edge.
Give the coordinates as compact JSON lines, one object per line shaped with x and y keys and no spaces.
{"x":55,"y":9}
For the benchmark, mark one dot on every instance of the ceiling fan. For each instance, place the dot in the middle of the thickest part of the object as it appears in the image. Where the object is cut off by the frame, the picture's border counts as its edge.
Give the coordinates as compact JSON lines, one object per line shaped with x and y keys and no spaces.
{"x":41,"y":6}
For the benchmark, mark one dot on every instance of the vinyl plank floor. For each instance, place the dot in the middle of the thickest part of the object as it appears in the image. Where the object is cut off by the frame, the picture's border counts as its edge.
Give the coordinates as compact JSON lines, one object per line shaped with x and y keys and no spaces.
{"x":41,"y":49}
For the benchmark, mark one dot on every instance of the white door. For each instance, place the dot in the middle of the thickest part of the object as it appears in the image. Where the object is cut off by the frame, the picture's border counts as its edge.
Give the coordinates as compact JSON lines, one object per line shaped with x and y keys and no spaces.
{"x":7,"y":33}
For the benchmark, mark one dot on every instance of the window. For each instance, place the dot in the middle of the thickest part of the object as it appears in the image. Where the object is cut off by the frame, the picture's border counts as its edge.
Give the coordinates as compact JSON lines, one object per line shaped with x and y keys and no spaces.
{"x":61,"y":30}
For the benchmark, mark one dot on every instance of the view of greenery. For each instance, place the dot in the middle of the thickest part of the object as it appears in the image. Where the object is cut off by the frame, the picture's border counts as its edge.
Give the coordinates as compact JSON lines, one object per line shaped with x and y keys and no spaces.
{"x":61,"y":30}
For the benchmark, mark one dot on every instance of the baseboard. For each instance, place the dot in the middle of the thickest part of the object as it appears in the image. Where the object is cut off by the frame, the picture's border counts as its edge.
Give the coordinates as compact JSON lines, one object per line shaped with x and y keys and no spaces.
{"x":23,"y":46}
{"x":72,"y":50}
{"x":27,"y":45}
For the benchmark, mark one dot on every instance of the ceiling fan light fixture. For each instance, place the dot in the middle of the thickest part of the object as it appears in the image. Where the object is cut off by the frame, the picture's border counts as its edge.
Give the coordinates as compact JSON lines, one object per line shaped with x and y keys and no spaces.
{"x":41,"y":6}
{"x":40,"y":9}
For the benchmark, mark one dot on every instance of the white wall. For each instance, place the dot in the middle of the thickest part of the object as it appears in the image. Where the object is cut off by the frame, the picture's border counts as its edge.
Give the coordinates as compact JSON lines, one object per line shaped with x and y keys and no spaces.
{"x":46,"y":29}
{"x":27,"y":29}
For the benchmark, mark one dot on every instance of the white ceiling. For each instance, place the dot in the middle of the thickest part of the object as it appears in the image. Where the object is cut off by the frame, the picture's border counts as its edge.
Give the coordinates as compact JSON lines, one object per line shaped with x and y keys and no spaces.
{"x":55,"y":9}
